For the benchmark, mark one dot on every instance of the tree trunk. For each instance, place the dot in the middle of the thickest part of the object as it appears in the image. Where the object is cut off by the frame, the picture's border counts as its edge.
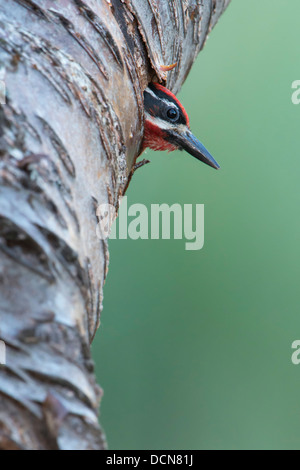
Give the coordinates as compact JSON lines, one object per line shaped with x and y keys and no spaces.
{"x":73,"y":74}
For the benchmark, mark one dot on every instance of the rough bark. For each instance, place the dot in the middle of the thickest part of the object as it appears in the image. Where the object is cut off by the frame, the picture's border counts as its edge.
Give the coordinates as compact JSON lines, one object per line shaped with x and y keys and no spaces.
{"x":70,"y":132}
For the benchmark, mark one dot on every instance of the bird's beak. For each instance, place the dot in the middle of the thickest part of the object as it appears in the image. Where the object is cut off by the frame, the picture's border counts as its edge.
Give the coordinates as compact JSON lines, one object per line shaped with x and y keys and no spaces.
{"x":188,"y":142}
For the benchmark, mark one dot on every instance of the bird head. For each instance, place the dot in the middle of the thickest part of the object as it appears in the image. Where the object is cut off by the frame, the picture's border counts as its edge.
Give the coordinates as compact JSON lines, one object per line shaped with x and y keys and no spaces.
{"x":167,"y":125}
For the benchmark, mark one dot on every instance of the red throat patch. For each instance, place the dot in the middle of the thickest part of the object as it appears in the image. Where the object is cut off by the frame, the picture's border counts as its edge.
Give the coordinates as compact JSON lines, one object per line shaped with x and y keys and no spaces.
{"x":154,"y":138}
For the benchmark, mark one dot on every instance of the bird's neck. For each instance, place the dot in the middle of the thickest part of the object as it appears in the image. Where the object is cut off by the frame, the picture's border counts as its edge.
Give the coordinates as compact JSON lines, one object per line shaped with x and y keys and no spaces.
{"x":155,"y":138}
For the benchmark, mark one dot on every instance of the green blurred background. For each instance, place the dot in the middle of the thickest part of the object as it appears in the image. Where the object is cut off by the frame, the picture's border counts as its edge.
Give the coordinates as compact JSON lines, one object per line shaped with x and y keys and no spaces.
{"x":194,"y":349}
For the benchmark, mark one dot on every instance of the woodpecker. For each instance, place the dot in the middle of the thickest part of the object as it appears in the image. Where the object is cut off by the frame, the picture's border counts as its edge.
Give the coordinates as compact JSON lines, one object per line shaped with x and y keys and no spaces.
{"x":167,"y":125}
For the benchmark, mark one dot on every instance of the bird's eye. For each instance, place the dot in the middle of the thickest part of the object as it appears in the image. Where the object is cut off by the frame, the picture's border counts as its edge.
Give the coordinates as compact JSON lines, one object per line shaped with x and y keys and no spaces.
{"x":172,"y":114}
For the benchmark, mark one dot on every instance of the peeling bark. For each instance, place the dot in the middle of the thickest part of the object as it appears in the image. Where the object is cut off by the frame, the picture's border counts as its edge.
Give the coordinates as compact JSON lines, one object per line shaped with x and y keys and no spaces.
{"x":70,"y":132}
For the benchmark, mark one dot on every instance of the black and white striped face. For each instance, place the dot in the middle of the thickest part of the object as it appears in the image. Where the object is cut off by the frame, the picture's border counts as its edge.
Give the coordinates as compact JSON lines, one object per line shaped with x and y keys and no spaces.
{"x":163,"y":109}
{"x":167,"y":125}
